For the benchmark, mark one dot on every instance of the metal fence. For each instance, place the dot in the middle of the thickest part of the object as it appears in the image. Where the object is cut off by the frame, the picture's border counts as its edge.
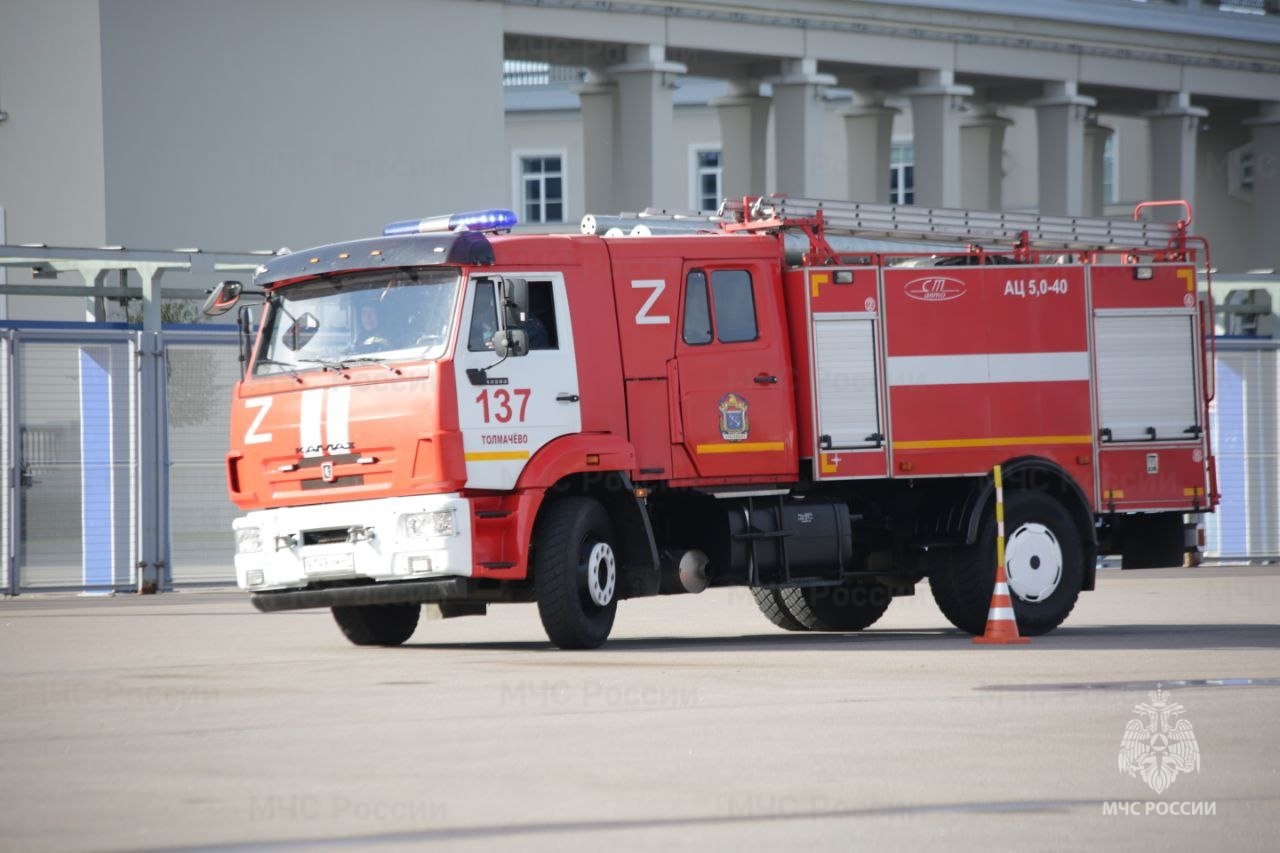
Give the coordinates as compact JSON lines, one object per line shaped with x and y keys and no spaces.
{"x":1245,"y":419}
{"x":75,"y":421}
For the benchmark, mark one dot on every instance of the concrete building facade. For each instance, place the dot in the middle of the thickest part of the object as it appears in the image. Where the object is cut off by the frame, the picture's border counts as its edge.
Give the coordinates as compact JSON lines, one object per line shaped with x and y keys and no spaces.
{"x":239,"y":124}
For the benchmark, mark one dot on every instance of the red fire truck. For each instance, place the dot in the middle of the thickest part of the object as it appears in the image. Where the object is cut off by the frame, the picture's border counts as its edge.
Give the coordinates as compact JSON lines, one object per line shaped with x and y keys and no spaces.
{"x":806,"y":398}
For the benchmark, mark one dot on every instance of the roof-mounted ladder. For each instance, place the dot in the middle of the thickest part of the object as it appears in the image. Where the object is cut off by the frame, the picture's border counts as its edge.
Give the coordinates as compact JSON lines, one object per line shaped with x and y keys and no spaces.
{"x":986,"y":228}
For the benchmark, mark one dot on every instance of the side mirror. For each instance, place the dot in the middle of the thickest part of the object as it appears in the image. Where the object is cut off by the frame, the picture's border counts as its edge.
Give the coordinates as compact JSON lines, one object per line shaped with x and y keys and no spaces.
{"x":511,"y":343}
{"x":300,"y":332}
{"x":222,"y":298}
{"x":515,"y":299}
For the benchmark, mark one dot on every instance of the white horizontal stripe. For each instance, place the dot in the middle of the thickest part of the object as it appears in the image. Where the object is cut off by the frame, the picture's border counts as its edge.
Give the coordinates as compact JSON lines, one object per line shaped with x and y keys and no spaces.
{"x":1000,"y":614}
{"x":988,"y":368}
{"x":1001,"y":589}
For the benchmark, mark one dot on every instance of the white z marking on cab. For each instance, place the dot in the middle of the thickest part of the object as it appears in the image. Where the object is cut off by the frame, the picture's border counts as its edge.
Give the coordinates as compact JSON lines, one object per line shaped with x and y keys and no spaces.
{"x":263,"y":405}
{"x":643,"y":317}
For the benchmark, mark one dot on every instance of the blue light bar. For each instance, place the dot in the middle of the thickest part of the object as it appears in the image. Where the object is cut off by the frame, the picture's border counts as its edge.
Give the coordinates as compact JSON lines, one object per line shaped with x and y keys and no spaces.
{"x":493,"y":219}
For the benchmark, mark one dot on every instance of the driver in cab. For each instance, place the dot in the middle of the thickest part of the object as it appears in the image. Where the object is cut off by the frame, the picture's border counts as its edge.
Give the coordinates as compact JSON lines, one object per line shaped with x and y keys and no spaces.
{"x":369,"y":332}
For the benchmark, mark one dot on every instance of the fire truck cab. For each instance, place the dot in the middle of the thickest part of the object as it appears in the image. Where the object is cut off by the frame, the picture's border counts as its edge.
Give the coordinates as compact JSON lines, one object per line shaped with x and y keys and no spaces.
{"x":776,"y":397}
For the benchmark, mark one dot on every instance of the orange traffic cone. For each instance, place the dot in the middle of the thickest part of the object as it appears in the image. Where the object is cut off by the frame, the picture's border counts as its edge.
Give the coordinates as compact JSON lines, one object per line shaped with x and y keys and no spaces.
{"x":1002,"y":625}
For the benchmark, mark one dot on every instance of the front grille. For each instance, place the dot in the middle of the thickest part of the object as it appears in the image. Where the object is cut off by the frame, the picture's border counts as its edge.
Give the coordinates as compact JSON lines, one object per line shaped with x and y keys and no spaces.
{"x":325,"y":537}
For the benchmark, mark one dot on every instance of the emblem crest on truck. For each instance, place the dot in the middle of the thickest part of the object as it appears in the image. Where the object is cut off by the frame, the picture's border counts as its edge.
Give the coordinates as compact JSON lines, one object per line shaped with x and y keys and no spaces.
{"x":734,"y":425}
{"x":935,"y":289}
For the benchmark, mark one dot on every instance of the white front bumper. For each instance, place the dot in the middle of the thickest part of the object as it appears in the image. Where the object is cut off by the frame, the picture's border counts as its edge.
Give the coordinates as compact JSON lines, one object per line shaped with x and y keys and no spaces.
{"x":373,"y":542}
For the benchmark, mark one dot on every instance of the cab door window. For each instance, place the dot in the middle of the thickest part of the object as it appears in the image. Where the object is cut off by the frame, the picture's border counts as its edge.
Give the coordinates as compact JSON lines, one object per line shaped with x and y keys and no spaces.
{"x":527,"y":305}
{"x":729,"y":299}
{"x":484,"y":317}
{"x":697,"y":309}
{"x":735,"y":306}
{"x":537,"y":316}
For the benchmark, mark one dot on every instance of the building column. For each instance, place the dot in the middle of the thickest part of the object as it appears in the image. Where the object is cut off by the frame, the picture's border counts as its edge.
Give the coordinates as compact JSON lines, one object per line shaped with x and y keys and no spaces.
{"x":982,"y":160}
{"x":644,"y":127}
{"x":599,"y":103}
{"x":937,"y":106}
{"x":1060,"y":121}
{"x":797,"y":127}
{"x":1174,"y":125}
{"x":869,"y":134}
{"x":1265,"y":130}
{"x":1095,"y":167}
{"x":744,"y":125}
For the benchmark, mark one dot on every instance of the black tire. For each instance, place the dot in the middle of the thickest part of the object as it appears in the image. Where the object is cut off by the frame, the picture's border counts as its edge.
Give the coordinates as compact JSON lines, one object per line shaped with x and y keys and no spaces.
{"x":575,"y":573}
{"x":1153,"y":541}
{"x":771,"y":605}
{"x":377,"y":624}
{"x":851,"y":606}
{"x":962,"y":578}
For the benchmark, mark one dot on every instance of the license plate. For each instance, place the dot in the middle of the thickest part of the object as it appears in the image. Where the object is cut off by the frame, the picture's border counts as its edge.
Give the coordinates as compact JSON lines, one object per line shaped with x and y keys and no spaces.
{"x":324,"y":564}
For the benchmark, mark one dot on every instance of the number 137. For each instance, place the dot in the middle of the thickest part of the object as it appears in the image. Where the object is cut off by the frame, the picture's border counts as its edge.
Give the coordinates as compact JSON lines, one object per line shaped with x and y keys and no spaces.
{"x":497,"y":405}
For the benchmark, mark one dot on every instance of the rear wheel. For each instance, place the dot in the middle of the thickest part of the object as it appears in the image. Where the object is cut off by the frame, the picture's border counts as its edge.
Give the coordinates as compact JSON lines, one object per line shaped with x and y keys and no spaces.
{"x":850,"y":606}
{"x":377,"y":624}
{"x":575,"y":573}
{"x":771,"y":605}
{"x":1044,"y":562}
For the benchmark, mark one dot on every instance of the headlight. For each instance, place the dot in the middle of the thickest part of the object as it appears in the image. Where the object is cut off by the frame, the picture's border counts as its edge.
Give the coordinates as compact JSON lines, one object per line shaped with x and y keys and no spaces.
{"x":248,"y":540}
{"x":423,"y":525}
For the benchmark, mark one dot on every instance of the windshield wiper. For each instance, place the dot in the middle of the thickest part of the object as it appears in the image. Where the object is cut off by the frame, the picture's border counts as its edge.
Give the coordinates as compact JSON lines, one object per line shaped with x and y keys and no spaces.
{"x":325,"y":363}
{"x":341,"y":364}
{"x":288,"y":368}
{"x":368,"y":359}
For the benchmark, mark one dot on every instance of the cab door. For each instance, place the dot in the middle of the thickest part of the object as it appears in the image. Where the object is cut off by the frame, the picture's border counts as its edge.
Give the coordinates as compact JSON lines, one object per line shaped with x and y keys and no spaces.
{"x":733,"y":373}
{"x":510,"y":408}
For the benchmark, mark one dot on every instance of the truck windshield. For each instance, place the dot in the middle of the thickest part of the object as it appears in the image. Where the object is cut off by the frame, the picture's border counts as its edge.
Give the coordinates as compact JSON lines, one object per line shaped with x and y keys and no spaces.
{"x":391,"y":315}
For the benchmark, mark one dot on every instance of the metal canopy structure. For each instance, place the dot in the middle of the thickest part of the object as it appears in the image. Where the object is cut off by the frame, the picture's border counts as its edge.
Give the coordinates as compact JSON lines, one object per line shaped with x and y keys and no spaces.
{"x":94,"y":266}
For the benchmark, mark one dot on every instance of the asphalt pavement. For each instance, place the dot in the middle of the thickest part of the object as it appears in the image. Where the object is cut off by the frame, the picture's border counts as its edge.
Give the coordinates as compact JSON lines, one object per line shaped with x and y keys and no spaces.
{"x":190,"y":721}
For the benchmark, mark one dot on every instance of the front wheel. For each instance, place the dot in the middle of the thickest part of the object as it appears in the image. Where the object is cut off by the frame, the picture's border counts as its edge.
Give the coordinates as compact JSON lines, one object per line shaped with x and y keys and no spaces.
{"x":1043,"y":559}
{"x":575,"y":573}
{"x":378,"y":624}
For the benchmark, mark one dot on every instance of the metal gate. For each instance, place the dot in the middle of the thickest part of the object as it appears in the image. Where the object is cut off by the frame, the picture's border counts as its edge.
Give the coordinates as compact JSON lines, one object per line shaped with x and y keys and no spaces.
{"x":201,"y":370}
{"x":83,"y":507}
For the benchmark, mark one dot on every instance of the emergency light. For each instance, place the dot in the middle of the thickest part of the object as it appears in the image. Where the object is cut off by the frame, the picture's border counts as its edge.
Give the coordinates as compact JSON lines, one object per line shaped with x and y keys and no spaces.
{"x":493,"y":219}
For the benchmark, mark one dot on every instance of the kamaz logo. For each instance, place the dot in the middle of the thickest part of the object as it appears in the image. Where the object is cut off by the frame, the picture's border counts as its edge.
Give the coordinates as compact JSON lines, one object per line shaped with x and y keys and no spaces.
{"x":317,"y":449}
{"x":935,"y":289}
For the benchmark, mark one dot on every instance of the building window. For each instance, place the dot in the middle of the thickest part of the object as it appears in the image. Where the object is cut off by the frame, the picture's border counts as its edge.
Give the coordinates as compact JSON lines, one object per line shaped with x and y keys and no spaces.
{"x":707,"y":175}
{"x":542,"y":188}
{"x":902,"y":177}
